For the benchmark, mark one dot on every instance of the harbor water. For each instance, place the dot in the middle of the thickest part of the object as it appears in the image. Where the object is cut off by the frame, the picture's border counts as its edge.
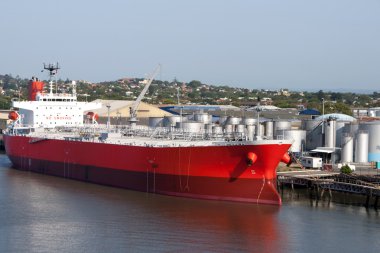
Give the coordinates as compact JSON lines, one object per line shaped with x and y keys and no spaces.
{"x":40,"y":213}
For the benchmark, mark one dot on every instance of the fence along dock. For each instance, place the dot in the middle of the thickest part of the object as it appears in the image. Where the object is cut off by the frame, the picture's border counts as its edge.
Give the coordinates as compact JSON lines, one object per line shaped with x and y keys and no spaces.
{"x":321,"y":182}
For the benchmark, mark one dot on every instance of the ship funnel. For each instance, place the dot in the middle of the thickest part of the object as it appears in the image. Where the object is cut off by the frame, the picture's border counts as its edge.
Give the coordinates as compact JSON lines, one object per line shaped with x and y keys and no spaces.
{"x":35,"y":87}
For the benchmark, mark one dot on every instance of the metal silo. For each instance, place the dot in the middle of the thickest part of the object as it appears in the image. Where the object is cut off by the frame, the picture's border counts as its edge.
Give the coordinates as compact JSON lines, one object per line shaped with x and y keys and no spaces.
{"x":361,"y":149}
{"x":203,"y":117}
{"x":339,"y":132}
{"x":347,"y":145}
{"x":269,"y":129}
{"x":249,"y":121}
{"x":282,"y":125}
{"x":233,"y":120}
{"x":299,"y":137}
{"x":170,"y":121}
{"x":373,"y":129}
{"x":330,"y":133}
{"x":251,"y":132}
{"x":191,"y":127}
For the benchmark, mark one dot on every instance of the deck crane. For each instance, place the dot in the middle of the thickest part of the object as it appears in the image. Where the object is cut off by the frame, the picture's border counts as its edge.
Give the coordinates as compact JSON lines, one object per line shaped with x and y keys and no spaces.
{"x":133,"y":109}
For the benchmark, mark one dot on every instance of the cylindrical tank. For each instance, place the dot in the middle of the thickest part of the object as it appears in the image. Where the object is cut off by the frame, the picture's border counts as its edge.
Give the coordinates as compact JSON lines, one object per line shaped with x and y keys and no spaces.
{"x":249,"y":121}
{"x":172,"y":120}
{"x":330,"y":133}
{"x":299,"y":137}
{"x":191,"y":127}
{"x":217,"y":131}
{"x":228,"y":129}
{"x":373,"y":129}
{"x":250,"y":132}
{"x":208,"y":128}
{"x":310,"y":124}
{"x":233,"y":120}
{"x":262,"y":130}
{"x":339,"y":129}
{"x":155,"y":121}
{"x":281,"y":125}
{"x":269,"y":129}
{"x":361,"y":149}
{"x":240,"y":128}
{"x":347,"y":144}
{"x":203,"y":117}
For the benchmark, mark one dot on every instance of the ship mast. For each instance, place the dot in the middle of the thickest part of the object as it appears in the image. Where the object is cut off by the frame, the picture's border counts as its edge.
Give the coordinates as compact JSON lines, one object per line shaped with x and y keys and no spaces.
{"x":53,"y":70}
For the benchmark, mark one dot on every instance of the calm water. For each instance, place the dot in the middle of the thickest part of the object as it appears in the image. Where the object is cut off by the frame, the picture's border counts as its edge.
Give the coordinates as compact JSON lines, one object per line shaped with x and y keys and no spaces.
{"x":47,"y":214}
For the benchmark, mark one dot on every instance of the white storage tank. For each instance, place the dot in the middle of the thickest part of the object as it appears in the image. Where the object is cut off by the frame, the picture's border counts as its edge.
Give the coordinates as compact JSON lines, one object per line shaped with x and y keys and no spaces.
{"x":217,"y":131}
{"x":347,"y":145}
{"x":373,"y":129}
{"x":282,"y":125}
{"x":249,"y":121}
{"x":191,"y":127}
{"x":203,"y":117}
{"x":361,"y":148}
{"x":299,"y":137}
{"x":251,"y":132}
{"x":269,"y":129}
{"x":330,"y":133}
{"x":240,"y":128}
{"x":170,"y":121}
{"x":232,"y":120}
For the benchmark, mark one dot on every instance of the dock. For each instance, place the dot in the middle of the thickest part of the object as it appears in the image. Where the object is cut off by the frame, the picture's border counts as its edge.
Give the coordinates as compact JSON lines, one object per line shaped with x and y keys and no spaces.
{"x":326,"y":181}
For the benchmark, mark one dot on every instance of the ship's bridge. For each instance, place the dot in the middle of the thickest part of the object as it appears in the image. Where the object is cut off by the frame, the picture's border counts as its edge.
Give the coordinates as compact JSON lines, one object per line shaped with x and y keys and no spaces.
{"x":52,"y":110}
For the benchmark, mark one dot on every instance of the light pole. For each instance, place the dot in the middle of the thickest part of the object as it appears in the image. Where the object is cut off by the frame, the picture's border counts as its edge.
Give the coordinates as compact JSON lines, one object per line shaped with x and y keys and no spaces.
{"x":108,"y":114}
{"x":323,"y":122}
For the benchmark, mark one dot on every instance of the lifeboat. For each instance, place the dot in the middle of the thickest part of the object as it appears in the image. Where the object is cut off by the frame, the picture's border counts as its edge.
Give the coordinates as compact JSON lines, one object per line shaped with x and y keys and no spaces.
{"x":13,"y":115}
{"x":92,"y":116}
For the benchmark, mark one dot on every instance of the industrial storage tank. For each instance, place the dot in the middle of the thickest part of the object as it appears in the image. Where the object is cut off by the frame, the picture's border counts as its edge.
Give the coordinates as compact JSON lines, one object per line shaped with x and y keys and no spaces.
{"x":191,"y":127}
{"x":228,"y":129}
{"x":203,"y":117}
{"x":208,"y":128}
{"x":310,"y":124}
{"x":217,"y":131}
{"x":361,"y":149}
{"x":232,"y":120}
{"x":373,"y":129}
{"x":249,"y":121}
{"x":269,"y":129}
{"x":251,"y":132}
{"x":330,"y":133}
{"x":347,"y":145}
{"x":339,"y":130}
{"x":170,"y":121}
{"x":299,"y":137}
{"x":240,"y":128}
{"x":282,"y":125}
{"x":155,"y":121}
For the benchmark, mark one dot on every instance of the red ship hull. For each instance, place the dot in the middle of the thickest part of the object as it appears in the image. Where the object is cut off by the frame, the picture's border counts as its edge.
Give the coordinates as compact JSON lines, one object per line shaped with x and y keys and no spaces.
{"x":205,"y":172}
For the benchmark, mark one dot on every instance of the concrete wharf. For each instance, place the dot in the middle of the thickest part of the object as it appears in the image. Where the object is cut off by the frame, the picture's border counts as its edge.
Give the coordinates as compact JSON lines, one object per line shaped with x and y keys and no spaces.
{"x":324,"y":181}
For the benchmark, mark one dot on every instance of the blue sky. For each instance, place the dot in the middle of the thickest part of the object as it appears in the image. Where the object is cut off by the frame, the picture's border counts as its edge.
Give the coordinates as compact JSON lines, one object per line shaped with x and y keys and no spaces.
{"x":295,"y":44}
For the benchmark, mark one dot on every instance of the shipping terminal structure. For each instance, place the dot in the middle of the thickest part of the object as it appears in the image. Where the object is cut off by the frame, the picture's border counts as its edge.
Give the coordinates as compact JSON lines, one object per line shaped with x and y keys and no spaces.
{"x":52,"y":133}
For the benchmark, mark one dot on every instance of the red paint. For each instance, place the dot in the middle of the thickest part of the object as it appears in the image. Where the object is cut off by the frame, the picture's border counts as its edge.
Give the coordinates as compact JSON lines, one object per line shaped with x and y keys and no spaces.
{"x":212,"y":172}
{"x":34,"y":88}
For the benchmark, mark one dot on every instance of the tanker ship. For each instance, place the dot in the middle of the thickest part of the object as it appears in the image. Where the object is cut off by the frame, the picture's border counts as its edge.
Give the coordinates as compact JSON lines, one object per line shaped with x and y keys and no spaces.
{"x":52,"y":133}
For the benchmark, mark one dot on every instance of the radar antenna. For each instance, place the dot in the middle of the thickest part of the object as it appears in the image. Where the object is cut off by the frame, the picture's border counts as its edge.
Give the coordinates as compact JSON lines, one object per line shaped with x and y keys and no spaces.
{"x":53,"y":70}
